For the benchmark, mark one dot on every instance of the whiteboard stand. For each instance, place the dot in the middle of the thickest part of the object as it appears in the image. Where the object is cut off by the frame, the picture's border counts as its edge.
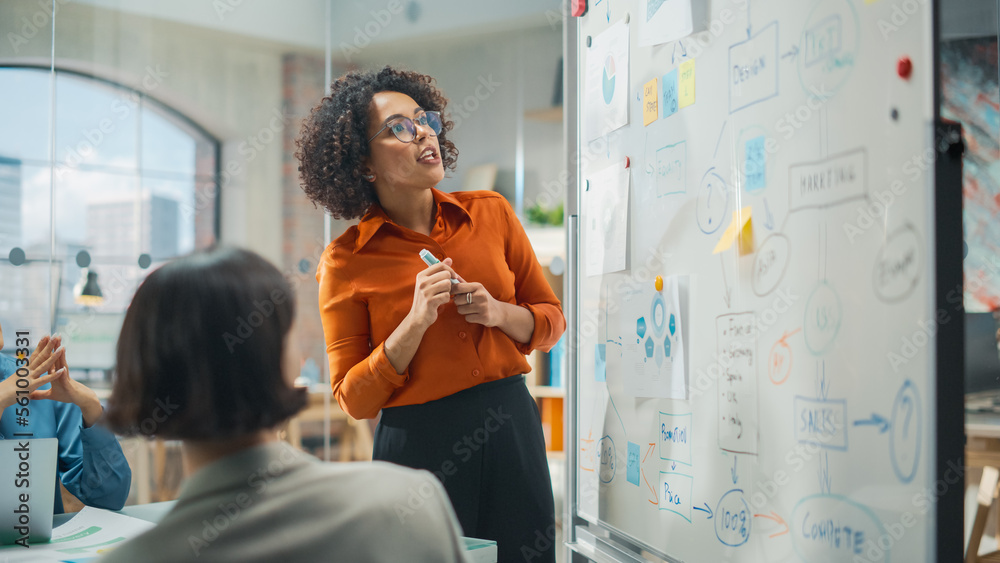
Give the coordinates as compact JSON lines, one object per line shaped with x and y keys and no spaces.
{"x":950,"y":336}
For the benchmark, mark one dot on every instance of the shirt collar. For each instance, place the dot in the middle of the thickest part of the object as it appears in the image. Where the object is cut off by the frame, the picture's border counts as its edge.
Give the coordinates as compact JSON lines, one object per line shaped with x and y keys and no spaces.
{"x":266,"y":461}
{"x":376,"y":217}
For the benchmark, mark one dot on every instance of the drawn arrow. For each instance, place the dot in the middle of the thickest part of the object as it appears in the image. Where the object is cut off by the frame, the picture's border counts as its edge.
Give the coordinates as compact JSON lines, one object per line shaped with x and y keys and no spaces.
{"x":824,"y":387}
{"x":825,"y":482}
{"x":875,"y":420}
{"x":748,"y":19}
{"x":673,"y":465}
{"x":706,"y":510}
{"x":684,"y":51}
{"x":588,"y":440}
{"x":612,"y":401}
{"x":657,"y":501}
{"x":719,"y":142}
{"x":785,"y":335}
{"x":768,"y":217}
{"x":794,"y":52}
{"x":736,"y":476}
{"x":649,"y":451}
{"x":729,"y":292}
{"x":781,"y":522}
{"x":609,"y":11}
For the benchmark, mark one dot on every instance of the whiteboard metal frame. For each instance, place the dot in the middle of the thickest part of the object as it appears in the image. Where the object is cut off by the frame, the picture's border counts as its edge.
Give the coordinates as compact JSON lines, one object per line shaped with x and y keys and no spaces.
{"x":571,"y":140}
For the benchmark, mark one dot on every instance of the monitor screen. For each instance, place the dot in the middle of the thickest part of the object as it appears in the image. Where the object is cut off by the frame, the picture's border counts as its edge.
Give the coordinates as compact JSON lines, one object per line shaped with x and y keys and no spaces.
{"x":982,"y":360}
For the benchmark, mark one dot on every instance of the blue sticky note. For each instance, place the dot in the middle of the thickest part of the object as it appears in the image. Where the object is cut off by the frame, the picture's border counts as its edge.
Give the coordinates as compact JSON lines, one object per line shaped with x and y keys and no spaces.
{"x":632,"y":464}
{"x":600,"y":362}
{"x":753,"y":166}
{"x":670,"y":97}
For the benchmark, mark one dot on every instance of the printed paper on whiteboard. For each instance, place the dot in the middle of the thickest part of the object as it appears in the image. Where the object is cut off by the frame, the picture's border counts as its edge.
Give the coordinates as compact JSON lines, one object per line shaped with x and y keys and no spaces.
{"x":605,"y":220}
{"x":651,"y":332}
{"x":662,"y":21}
{"x":606,"y":97}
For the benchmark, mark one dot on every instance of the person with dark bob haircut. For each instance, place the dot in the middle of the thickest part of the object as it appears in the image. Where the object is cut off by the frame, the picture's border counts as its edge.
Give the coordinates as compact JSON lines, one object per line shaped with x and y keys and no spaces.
{"x":206,"y":356}
{"x":438,"y":347}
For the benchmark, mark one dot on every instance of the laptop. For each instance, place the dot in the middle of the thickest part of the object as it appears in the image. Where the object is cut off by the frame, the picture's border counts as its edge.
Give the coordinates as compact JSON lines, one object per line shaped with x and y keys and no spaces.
{"x":982,"y":363}
{"x":27,"y":489}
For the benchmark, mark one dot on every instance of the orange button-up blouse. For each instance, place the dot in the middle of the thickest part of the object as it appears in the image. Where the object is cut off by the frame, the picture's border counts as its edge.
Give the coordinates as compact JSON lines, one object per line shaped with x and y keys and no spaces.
{"x":366,"y":279}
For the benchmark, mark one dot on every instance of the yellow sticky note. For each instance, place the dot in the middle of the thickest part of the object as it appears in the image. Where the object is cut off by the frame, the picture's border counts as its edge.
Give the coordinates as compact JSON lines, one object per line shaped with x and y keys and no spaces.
{"x":685,"y":83}
{"x":739,"y":231}
{"x":650,"y":112}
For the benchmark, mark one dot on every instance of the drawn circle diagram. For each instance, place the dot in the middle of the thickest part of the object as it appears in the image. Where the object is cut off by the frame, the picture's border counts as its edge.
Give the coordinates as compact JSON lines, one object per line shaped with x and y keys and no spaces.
{"x":608,"y":84}
{"x":713,"y":202}
{"x":809,"y":524}
{"x":822,"y":318}
{"x":828,"y":48}
{"x":905,"y":437}
{"x":769,"y":264}
{"x":659,"y":314}
{"x":606,"y":458}
{"x":897,"y":266}
{"x":733,"y":519}
{"x":779,"y":362}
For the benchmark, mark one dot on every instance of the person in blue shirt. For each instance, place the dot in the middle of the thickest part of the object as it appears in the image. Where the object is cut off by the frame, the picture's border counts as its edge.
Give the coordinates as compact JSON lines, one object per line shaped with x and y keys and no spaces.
{"x":91,"y":463}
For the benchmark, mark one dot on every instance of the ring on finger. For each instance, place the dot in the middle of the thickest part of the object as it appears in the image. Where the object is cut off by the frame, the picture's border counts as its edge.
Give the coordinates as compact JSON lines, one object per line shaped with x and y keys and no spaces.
{"x":468,"y":298}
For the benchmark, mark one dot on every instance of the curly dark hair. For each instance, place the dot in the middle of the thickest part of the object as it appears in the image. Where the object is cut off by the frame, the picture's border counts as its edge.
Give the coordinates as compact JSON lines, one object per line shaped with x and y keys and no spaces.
{"x":334,"y":137}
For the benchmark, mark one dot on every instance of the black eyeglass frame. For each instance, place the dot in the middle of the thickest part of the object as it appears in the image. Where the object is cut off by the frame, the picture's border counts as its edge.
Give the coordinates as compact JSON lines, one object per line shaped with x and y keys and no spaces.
{"x":412,"y":122}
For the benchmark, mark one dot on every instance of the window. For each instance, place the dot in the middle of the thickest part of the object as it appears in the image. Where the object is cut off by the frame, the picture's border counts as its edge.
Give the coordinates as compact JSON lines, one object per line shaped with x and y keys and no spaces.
{"x":100,"y":176}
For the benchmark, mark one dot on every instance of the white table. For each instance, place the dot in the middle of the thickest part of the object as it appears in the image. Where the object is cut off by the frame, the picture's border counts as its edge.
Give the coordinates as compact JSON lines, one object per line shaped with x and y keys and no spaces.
{"x":479,"y":551}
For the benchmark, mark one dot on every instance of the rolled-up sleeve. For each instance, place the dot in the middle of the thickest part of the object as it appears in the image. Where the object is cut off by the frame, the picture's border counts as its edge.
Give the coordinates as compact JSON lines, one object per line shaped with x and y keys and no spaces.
{"x":362,"y":378}
{"x":92,"y":465}
{"x":531,"y":289}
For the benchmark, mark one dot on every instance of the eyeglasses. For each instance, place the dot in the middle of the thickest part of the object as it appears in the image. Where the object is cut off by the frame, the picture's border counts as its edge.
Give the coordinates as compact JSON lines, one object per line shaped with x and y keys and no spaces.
{"x":405,"y":129}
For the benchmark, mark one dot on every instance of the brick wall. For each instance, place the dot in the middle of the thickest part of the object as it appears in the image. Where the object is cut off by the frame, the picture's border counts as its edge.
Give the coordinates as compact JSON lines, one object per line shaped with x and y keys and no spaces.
{"x":302,"y":230}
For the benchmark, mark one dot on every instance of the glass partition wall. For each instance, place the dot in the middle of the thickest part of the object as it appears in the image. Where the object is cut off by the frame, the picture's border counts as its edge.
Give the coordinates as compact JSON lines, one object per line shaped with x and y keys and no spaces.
{"x":135,"y":132}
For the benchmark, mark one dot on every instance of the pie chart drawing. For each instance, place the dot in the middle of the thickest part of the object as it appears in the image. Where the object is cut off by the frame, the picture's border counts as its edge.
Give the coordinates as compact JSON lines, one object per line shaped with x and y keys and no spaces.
{"x":609,"y":79}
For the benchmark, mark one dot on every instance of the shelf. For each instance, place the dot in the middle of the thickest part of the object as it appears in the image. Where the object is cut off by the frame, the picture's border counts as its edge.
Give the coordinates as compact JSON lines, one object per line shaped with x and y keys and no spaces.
{"x":545,"y":391}
{"x":553,"y":114}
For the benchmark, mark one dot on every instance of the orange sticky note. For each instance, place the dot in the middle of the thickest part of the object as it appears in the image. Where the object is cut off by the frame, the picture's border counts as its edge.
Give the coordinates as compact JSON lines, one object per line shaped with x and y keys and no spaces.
{"x":685,"y":84}
{"x":650,"y":109}
{"x":739,"y":231}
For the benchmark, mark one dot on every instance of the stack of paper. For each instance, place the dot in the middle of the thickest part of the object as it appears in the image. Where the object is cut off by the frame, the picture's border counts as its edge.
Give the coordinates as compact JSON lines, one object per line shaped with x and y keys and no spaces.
{"x":89,"y":534}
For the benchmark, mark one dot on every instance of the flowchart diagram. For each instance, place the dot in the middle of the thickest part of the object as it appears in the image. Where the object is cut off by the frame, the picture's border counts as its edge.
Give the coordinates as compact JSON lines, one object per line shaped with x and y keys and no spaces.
{"x":784,"y":374}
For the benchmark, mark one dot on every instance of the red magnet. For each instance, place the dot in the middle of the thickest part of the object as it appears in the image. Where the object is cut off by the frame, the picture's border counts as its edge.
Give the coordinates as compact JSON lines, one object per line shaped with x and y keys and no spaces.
{"x":627,"y":162}
{"x":904,"y":67}
{"x":578,"y":8}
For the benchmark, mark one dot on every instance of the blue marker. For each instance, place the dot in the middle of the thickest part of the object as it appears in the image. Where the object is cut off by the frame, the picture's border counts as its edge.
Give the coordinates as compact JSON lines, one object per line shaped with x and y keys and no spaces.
{"x":430,"y":260}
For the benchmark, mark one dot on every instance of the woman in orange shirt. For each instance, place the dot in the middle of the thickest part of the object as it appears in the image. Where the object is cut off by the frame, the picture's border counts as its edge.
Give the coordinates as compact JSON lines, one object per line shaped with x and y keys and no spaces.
{"x":439,"y":349}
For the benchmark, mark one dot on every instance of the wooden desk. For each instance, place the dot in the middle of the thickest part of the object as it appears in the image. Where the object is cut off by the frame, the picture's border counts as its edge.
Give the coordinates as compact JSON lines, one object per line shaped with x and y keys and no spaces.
{"x":982,"y":446}
{"x":982,"y":443}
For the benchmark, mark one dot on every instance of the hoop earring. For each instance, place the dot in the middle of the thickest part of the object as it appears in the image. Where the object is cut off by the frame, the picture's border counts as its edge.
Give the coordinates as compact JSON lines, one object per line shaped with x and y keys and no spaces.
{"x":369,"y":177}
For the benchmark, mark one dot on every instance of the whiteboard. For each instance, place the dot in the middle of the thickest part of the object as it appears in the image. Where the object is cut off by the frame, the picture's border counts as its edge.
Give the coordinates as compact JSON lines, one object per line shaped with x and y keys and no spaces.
{"x":806,"y":429}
